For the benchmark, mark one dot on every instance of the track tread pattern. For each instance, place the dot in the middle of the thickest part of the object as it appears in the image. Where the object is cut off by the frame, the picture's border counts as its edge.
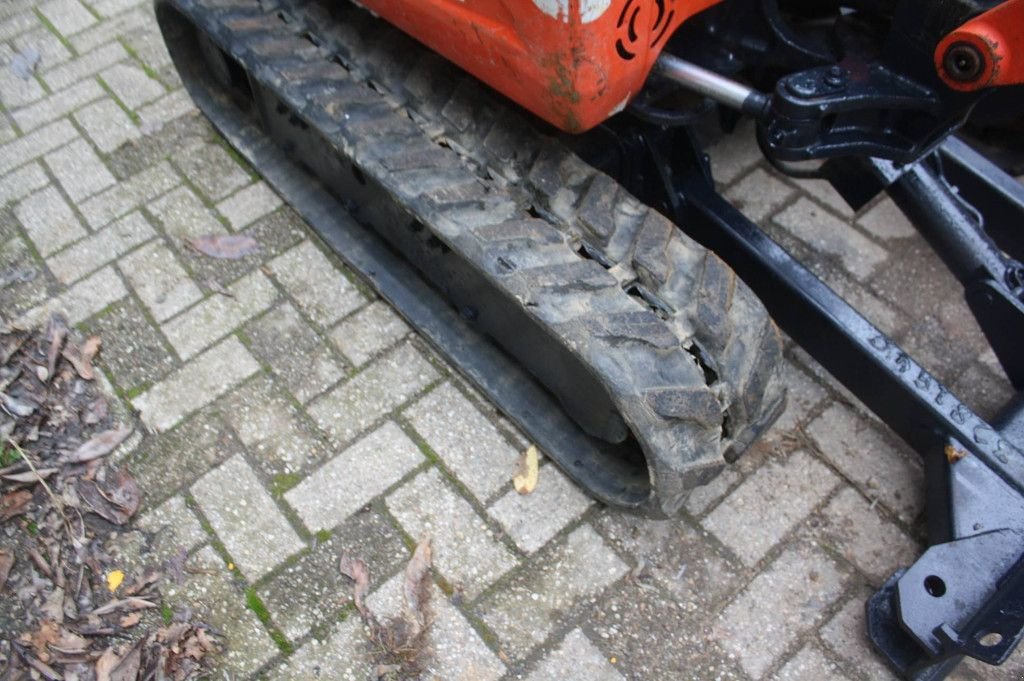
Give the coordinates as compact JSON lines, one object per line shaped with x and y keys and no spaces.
{"x":473,"y":170}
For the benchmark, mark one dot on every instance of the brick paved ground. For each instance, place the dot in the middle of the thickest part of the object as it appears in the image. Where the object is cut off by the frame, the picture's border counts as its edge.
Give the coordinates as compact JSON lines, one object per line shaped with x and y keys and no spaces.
{"x":301,"y":418}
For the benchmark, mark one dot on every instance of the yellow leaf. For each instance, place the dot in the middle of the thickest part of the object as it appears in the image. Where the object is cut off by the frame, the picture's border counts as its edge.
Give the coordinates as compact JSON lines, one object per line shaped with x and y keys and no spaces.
{"x":525,"y":480}
{"x":114,"y":579}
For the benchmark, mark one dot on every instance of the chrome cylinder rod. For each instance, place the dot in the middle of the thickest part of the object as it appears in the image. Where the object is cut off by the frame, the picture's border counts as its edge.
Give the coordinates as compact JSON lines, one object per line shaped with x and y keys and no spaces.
{"x":723,"y":90}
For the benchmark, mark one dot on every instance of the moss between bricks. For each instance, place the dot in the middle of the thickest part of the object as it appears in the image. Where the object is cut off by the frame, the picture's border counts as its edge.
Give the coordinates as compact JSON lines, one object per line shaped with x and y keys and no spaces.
{"x":282,"y":482}
{"x":255,"y":603}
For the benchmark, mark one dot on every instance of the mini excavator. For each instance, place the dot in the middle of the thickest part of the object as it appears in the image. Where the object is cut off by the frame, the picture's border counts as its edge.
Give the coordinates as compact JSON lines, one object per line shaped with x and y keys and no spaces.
{"x":526,"y":182}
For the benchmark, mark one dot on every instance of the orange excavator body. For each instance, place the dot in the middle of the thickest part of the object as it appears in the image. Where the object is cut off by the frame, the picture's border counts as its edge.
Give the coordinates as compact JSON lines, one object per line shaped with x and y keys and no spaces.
{"x":574,"y":63}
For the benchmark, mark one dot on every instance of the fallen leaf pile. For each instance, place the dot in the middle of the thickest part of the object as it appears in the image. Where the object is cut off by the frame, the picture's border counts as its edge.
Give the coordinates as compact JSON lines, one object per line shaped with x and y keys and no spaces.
{"x":67,"y":610}
{"x":399,"y":643}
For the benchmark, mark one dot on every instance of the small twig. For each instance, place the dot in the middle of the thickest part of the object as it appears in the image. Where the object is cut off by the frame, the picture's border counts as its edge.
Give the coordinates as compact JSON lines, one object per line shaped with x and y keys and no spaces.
{"x":56,"y":501}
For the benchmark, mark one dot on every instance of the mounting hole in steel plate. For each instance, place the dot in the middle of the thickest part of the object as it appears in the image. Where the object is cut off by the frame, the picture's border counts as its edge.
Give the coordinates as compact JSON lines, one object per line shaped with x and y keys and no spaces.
{"x":992,"y":638}
{"x":935,"y":586}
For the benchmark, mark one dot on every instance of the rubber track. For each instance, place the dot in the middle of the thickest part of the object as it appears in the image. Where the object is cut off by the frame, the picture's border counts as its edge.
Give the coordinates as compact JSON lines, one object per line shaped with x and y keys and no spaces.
{"x":688,"y":358}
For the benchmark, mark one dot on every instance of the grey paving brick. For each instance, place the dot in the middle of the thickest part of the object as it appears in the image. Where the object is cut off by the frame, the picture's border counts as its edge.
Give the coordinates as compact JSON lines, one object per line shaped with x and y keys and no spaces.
{"x":674,"y":555}
{"x":8,"y":132}
{"x":823,"y":191}
{"x":167,"y":463}
{"x":248,"y":205}
{"x":155,"y":116}
{"x":209,"y":592}
{"x":109,"y":8}
{"x":184,"y":216}
{"x":22,"y":182}
{"x":16,"y":91}
{"x":470,"y":446}
{"x":803,"y":396}
{"x":50,"y":48}
{"x":149,"y":48}
{"x":320,"y":289}
{"x":846,"y":635}
{"x":827,"y":234}
{"x":271,"y":428}
{"x":212,"y":169}
{"x":107,"y":125}
{"x":532,"y":520}
{"x":886,"y":221}
{"x":35,"y":144}
{"x":298,"y":355}
{"x":131,"y":85}
{"x":734,"y":154}
{"x":97,"y":250}
{"x":704,"y":497}
{"x":456,"y":650}
{"x":575,"y":658}
{"x":67,"y":16}
{"x":28,"y":284}
{"x":79,"y":170}
{"x":217,"y":315}
{"x":465,"y":551}
{"x":48,"y":220}
{"x":371,"y":330}
{"x":384,"y":385}
{"x":779,"y":605}
{"x":881,"y":472}
{"x":111,"y":29}
{"x":129,"y":194}
{"x":82,"y":67}
{"x":311,"y":592}
{"x":759,"y":194}
{"x":780,"y":495}
{"x":82,"y":300}
{"x":810,"y":664}
{"x":134,"y":352}
{"x":57,"y":104}
{"x":17,"y":23}
{"x":654,"y":636}
{"x":174,"y":528}
{"x":245,"y":518}
{"x":863,"y":537}
{"x":524,"y":610}
{"x":344,"y":656}
{"x":196,"y":384}
{"x":159,"y":280}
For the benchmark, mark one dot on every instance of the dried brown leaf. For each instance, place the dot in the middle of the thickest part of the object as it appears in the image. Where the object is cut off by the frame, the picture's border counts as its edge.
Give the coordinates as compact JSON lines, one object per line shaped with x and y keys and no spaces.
{"x":6,"y":563}
{"x":113,"y":666}
{"x":40,"y":640}
{"x":356,"y":570}
{"x":130,"y":620}
{"x":416,"y":585}
{"x":14,"y":503}
{"x":55,"y":334}
{"x":81,"y":358}
{"x":96,"y":411}
{"x":47,"y":672}
{"x":125,"y":604}
{"x":99,"y":445}
{"x":225,"y":246}
{"x":105,"y":663}
{"x":30,"y":476}
{"x":17,"y":406}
